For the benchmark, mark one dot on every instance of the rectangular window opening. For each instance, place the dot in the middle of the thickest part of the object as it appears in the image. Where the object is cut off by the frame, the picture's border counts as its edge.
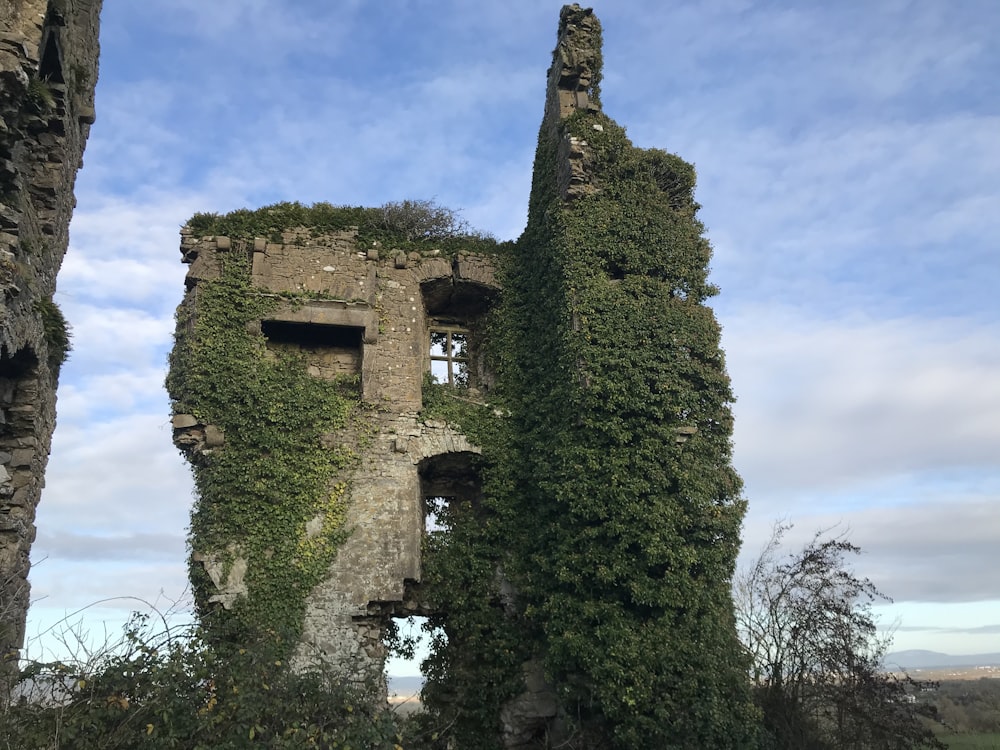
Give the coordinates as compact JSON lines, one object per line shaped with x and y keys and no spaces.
{"x":449,"y":356}
{"x":329,"y":351}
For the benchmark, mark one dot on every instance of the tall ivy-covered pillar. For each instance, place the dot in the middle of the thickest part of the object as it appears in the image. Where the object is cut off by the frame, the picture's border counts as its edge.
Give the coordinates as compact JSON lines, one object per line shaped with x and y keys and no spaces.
{"x":620,"y":403}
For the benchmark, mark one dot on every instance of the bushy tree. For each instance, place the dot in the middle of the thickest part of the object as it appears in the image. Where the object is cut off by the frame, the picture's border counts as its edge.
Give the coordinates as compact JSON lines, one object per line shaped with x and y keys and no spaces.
{"x":806,"y":619}
{"x":176,"y":690}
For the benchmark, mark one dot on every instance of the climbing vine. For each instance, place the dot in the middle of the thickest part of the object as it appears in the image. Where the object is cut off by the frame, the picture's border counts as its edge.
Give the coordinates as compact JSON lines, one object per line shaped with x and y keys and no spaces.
{"x":611,"y":511}
{"x":273,"y":495}
{"x":462,"y":575}
{"x":623,"y":456}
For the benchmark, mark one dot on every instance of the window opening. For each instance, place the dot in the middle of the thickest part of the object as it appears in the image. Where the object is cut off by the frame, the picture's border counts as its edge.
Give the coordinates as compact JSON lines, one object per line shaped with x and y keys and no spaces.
{"x":312,"y":335}
{"x":434,"y":514}
{"x":408,"y":643}
{"x":330,"y":351}
{"x":449,"y":355}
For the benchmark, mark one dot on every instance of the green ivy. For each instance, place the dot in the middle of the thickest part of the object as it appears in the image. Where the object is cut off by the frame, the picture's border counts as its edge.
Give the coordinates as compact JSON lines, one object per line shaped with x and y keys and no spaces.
{"x":474,"y":667}
{"x":256,"y":494}
{"x":611,"y":506}
{"x":408,"y":225}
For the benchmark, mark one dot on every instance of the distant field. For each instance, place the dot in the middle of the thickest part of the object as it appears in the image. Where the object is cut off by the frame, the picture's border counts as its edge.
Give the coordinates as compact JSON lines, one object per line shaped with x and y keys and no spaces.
{"x":953,"y":673}
{"x":972,"y":741}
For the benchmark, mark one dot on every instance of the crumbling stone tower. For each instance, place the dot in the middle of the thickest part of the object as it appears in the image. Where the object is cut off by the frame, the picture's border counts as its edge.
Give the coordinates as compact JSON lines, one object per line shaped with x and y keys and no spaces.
{"x":360,"y":318}
{"x":48,"y":69}
{"x":561,"y":503}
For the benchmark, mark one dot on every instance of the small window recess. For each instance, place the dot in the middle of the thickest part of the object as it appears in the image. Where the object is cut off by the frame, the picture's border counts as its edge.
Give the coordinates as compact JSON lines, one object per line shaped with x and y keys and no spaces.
{"x":449,"y":355}
{"x":329,"y":351}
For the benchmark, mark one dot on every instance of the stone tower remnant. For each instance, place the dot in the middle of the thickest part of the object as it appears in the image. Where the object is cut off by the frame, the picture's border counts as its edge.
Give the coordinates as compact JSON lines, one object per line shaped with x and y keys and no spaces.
{"x":48,"y":69}
{"x":560,"y":504}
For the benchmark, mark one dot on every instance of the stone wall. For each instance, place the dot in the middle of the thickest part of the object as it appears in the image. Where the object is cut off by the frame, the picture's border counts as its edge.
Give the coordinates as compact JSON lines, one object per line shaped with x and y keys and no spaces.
{"x":48,"y":69}
{"x":366,"y":310}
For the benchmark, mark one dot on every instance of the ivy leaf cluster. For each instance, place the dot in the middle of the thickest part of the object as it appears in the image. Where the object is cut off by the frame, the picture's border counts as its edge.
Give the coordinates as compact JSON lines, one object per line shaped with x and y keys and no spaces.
{"x":276,"y":472}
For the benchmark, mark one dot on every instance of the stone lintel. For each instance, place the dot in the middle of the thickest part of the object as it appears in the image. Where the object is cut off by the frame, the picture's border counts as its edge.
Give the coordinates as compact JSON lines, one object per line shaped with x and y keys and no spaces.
{"x":332,"y":313}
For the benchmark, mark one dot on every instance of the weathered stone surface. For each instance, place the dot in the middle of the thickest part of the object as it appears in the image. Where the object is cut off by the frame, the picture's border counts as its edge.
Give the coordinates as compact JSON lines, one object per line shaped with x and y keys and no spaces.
{"x":215,"y":437}
{"x":182,"y":421}
{"x":370,"y":316}
{"x":531,"y":712}
{"x":41,"y":148}
{"x":227,"y":572}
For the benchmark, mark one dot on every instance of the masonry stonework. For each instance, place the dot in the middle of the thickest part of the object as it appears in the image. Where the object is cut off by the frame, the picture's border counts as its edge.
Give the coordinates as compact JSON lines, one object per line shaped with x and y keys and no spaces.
{"x":584,"y":578}
{"x":48,"y":69}
{"x":364,"y":312}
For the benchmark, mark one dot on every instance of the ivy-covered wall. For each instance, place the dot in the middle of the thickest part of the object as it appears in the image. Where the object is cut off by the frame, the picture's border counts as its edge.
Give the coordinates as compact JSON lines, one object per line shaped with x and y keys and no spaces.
{"x":296,"y":378}
{"x":588,"y":601}
{"x":269,"y":499}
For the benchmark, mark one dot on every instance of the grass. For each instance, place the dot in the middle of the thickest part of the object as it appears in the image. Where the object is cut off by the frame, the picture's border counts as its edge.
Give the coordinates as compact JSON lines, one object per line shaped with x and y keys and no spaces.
{"x":979,"y":741}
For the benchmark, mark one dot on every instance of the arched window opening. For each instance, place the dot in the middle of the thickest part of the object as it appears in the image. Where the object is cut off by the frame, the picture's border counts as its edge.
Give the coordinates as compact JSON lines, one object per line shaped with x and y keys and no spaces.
{"x":50,"y":66}
{"x":450,"y":484}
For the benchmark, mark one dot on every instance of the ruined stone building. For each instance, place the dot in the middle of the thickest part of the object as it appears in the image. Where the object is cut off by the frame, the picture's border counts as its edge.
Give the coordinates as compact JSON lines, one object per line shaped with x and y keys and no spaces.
{"x":48,"y":69}
{"x":560,"y":502}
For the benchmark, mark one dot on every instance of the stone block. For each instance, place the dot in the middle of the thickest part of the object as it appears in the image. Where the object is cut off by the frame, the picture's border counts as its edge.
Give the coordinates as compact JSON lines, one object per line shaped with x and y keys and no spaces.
{"x":22,"y":479}
{"x":215,"y":437}
{"x":22,"y":457}
{"x":23,"y":496}
{"x":204,"y":267}
{"x":183,"y":421}
{"x":476,"y":269}
{"x":435,"y":268}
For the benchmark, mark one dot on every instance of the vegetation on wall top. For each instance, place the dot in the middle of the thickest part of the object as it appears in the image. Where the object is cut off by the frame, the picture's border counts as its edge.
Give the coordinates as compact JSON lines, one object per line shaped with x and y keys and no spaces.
{"x":56,"y":331}
{"x":419,"y":225}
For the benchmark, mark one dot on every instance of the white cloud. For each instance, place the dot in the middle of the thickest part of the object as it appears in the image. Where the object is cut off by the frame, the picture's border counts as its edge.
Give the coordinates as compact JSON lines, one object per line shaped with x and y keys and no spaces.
{"x":120,"y":336}
{"x":831,"y":404}
{"x":119,"y":476}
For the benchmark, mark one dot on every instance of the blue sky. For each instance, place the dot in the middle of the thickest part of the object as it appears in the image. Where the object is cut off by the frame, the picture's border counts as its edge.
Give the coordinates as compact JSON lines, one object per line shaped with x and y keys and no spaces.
{"x":847,"y":159}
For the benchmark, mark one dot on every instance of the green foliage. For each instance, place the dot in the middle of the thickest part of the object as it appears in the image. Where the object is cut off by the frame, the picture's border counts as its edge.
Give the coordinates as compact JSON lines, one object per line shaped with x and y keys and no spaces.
{"x":611,"y":511}
{"x":981,"y":741}
{"x":474,"y":666}
{"x":56,"y":331}
{"x":39,"y":96}
{"x":274,"y":474}
{"x":178,"y":691}
{"x":969,"y":705}
{"x":407,"y":225}
{"x":807,"y":623}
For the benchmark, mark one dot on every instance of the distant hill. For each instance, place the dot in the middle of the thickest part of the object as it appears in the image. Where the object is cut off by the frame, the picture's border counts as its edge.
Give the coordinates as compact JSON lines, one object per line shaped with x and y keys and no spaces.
{"x":919,"y":659}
